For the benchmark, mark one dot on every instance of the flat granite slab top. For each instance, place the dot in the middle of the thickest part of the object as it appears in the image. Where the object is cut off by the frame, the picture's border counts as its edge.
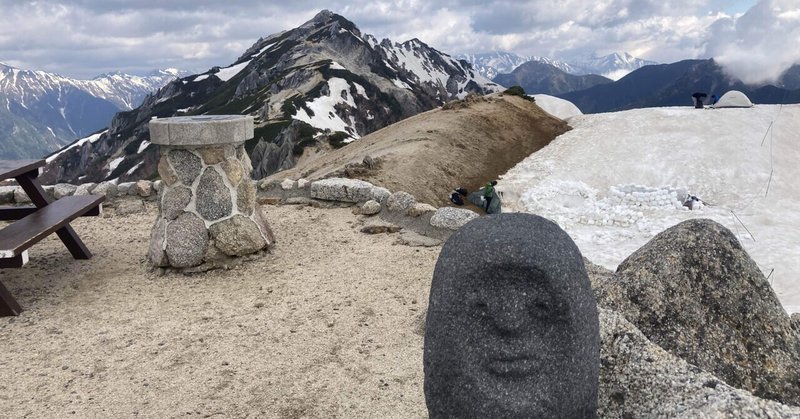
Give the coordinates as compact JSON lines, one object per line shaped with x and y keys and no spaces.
{"x":201,"y":130}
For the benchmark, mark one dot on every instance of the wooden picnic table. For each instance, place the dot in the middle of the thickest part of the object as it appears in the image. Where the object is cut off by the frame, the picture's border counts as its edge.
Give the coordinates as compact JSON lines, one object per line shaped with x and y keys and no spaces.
{"x":33,"y":223}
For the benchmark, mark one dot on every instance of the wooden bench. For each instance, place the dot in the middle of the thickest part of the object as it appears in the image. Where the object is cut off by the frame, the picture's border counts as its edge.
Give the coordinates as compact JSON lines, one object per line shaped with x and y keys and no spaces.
{"x":33,"y":223}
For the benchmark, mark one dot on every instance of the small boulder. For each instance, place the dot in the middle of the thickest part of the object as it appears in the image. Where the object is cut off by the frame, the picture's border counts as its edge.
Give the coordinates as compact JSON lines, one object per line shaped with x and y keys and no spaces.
{"x":107,"y":189}
{"x":452,"y":218}
{"x":124,"y":188}
{"x":130,"y":206}
{"x":7,"y":194}
{"x":20,"y":197}
{"x":371,"y":208}
{"x":143,"y":188}
{"x":85,"y":189}
{"x":287,"y":184}
{"x":420,"y":209}
{"x":63,"y":189}
{"x":400,"y":202}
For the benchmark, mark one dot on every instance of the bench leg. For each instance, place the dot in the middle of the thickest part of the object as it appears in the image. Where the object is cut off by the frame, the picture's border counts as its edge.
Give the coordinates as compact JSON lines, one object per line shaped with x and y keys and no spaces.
{"x":8,"y":305}
{"x":36,"y":193}
{"x":73,"y":242}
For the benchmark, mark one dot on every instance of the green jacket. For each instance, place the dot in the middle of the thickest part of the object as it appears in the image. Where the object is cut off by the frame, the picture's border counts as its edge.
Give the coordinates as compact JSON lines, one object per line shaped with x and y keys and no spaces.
{"x":488,"y":190}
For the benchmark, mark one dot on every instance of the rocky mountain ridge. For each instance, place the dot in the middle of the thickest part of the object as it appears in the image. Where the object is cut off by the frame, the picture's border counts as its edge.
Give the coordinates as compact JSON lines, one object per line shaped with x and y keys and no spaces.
{"x":322,"y":84}
{"x":40,"y":112}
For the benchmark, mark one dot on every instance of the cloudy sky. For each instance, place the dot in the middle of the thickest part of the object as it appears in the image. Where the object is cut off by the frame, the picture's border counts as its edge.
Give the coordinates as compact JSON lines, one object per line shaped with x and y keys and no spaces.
{"x":756,"y":39}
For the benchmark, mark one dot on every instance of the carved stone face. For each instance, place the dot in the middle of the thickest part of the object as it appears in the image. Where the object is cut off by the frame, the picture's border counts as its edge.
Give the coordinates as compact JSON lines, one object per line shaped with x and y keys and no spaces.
{"x":510,"y":321}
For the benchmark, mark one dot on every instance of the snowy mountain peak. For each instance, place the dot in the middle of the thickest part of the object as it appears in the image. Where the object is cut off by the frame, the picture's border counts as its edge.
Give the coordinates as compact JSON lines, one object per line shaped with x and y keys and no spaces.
{"x":321,"y":81}
{"x":613,"y":66}
{"x":43,"y":111}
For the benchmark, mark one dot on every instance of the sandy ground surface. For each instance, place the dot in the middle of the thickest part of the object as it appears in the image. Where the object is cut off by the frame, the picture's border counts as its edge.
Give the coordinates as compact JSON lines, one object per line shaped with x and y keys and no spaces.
{"x":326,"y":325}
{"x":464,"y":144}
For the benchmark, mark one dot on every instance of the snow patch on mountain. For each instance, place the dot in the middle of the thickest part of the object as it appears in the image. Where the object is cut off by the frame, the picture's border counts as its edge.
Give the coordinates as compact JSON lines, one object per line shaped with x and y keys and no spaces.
{"x":91,"y":139}
{"x":323,"y":113}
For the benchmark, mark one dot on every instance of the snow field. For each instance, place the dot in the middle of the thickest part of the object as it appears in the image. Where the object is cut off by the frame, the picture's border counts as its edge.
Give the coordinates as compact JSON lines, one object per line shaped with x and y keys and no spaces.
{"x":616,"y":179}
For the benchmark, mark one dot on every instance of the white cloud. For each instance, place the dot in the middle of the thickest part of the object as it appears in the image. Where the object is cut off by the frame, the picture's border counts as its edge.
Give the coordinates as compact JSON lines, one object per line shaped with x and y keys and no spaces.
{"x":88,"y":37}
{"x":761,"y":44}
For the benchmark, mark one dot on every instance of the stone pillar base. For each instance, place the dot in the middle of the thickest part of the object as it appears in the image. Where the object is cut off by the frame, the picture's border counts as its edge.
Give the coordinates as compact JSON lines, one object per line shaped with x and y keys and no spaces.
{"x":208,"y":213}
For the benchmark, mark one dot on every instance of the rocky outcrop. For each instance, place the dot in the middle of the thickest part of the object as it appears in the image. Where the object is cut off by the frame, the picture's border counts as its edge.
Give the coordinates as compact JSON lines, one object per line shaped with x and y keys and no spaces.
{"x":695,"y":292}
{"x":639,"y":379}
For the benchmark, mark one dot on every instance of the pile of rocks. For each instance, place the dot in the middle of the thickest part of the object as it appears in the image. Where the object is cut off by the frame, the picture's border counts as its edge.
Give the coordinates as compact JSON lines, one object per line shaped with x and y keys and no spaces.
{"x":392,"y":211}
{"x":110,"y":189}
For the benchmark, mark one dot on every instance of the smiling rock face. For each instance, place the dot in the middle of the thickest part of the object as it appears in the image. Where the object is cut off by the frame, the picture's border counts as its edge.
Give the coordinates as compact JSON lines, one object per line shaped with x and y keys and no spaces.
{"x":512,"y":328}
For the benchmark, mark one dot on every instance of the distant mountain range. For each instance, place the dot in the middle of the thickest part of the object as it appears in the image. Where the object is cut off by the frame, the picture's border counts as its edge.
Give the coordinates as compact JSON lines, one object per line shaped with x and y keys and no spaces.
{"x":319,"y":85}
{"x":538,"y":77}
{"x":40,"y":112}
{"x":673,"y":85}
{"x":612,"y":66}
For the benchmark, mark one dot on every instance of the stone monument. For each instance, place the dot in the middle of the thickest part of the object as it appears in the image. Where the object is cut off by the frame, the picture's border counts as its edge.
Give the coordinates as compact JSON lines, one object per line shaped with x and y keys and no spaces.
{"x":512,"y":328}
{"x":207,"y":209}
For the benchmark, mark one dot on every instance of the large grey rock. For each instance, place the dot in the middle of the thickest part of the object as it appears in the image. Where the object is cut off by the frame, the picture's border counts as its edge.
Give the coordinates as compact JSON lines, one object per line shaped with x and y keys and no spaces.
{"x":213,"y":196}
{"x":61,"y":190}
{"x":342,"y":189}
{"x":187,"y":240}
{"x":452,"y":218}
{"x":107,"y":189}
{"x":400,"y":202}
{"x":796,"y":322}
{"x":85,"y":189}
{"x":237,"y":236}
{"x":512,"y":328}
{"x":185,"y":166}
{"x":695,"y":292}
{"x":174,"y":201}
{"x":639,"y":379}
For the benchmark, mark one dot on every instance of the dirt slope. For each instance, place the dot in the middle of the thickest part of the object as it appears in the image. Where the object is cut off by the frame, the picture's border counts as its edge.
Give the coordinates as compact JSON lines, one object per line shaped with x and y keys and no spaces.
{"x":465,"y":143}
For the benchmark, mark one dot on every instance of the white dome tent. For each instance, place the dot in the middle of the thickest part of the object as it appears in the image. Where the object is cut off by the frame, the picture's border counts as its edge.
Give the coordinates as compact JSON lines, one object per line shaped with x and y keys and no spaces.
{"x":734,"y":99}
